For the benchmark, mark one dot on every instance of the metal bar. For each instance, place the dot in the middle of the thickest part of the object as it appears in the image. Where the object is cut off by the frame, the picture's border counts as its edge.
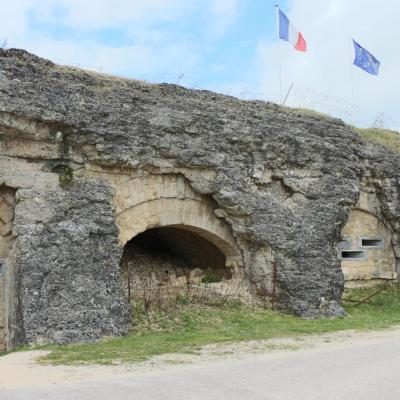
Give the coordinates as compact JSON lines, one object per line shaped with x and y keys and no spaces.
{"x":369,"y":297}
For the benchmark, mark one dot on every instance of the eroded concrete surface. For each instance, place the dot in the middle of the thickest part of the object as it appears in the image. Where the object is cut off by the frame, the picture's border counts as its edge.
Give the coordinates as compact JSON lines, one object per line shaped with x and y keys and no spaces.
{"x":95,"y":160}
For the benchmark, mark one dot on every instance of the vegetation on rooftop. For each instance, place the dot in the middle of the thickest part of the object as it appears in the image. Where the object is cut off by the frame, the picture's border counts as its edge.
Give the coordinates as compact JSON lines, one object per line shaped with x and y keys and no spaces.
{"x":309,"y":112}
{"x":385,"y":137}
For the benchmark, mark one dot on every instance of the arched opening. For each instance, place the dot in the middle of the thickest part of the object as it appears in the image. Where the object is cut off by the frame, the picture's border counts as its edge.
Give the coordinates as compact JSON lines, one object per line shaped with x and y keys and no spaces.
{"x":174,"y":242}
{"x":169,"y":201}
{"x":168,"y":261}
{"x":177,"y":243}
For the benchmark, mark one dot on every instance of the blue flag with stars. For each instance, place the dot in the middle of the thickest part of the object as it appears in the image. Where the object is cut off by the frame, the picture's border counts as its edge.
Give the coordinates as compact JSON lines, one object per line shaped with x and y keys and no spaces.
{"x":365,"y":60}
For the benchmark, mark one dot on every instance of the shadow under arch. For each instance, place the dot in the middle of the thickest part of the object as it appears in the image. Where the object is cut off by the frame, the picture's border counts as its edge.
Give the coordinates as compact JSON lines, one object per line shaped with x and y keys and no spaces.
{"x":186,"y":214}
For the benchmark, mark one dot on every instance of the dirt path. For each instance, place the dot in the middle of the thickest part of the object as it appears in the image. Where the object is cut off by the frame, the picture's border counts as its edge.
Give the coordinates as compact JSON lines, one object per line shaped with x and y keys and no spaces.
{"x":19,"y":370}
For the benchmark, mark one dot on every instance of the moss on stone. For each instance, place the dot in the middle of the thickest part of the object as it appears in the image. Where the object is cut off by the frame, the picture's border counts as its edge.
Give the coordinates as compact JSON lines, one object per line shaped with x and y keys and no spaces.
{"x":66,"y":176}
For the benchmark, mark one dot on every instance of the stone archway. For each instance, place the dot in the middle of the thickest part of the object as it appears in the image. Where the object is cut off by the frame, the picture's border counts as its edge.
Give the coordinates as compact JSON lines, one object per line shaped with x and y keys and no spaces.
{"x":173,"y":241}
{"x":156,"y":201}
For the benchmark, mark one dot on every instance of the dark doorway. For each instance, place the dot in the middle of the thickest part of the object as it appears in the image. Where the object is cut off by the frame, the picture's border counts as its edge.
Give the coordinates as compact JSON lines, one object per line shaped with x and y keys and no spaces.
{"x":171,"y":257}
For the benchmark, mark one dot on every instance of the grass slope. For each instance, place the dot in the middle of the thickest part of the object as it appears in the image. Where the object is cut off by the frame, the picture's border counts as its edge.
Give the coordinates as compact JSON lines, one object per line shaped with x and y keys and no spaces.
{"x":185,"y":327}
{"x":385,"y":137}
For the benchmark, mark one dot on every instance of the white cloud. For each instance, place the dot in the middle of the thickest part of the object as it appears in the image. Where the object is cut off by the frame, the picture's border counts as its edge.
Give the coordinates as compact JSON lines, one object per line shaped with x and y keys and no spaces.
{"x":135,"y":61}
{"x":145,"y":51}
{"x":151,"y":45}
{"x":14,"y":22}
{"x":223,"y":13}
{"x":97,"y":14}
{"x":323,"y":77}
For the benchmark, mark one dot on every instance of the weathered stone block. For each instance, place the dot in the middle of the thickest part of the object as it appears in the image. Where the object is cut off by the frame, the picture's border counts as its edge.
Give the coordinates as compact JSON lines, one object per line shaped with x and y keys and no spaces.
{"x":67,"y":269}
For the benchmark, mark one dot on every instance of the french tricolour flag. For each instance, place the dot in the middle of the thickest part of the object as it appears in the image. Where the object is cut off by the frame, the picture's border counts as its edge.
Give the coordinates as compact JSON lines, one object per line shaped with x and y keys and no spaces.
{"x":288,"y":32}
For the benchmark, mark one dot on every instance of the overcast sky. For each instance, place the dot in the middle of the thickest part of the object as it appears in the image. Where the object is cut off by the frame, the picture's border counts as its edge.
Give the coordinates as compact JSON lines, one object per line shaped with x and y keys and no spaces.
{"x":229,"y":46}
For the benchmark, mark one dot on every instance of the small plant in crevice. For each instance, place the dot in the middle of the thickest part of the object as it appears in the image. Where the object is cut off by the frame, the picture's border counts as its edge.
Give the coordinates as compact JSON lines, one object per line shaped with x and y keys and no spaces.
{"x":65,"y":173}
{"x":66,"y":176}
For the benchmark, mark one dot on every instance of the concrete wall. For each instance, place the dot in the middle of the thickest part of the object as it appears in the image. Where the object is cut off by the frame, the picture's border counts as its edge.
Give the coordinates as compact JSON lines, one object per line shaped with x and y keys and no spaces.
{"x":53,"y":292}
{"x":7,"y":205}
{"x":2,"y":316}
{"x":372,"y":240}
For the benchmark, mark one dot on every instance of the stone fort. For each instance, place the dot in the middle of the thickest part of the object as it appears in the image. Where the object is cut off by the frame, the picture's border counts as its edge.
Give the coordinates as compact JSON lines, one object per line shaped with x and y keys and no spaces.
{"x":97,"y":172}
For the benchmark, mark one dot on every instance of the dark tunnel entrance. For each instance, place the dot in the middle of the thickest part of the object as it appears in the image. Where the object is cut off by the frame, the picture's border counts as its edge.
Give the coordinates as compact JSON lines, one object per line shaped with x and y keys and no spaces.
{"x":167,"y":261}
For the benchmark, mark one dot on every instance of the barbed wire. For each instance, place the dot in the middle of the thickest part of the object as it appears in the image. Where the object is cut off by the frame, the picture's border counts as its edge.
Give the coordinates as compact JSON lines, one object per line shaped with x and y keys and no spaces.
{"x":300,"y":97}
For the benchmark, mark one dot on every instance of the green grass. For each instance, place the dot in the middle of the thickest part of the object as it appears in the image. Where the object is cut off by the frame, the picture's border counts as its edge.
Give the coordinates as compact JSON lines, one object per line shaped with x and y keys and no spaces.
{"x":385,"y":137}
{"x":309,"y":112}
{"x":185,"y":327}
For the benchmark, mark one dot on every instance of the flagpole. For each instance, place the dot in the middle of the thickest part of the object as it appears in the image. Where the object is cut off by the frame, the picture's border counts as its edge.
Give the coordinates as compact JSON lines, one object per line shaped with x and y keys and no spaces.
{"x":351,"y":71}
{"x":279,"y":53}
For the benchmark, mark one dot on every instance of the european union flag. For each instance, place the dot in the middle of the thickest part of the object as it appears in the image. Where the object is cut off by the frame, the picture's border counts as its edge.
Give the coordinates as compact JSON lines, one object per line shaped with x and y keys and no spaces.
{"x":365,"y":60}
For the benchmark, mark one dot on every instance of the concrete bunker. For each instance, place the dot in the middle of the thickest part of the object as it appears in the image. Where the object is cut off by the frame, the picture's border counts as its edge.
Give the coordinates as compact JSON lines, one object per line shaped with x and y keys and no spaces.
{"x":366,"y":250}
{"x":149,"y":157}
